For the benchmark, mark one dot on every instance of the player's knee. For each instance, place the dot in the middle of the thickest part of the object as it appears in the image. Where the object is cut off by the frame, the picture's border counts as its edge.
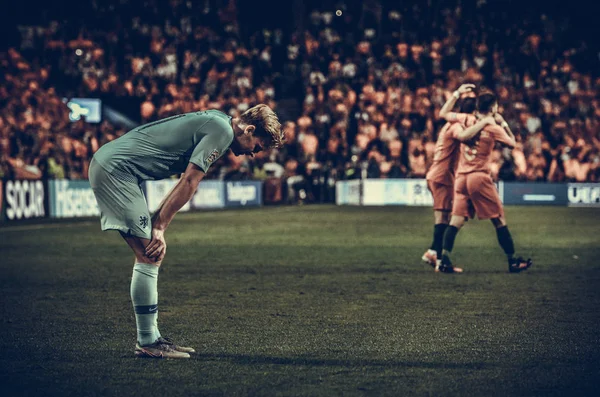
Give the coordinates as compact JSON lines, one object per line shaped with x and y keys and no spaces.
{"x":441,"y":217}
{"x":138,"y":246}
{"x":445,"y":218}
{"x":499,"y":222}
{"x":157,"y":263}
{"x":457,"y":221}
{"x":144,"y":259}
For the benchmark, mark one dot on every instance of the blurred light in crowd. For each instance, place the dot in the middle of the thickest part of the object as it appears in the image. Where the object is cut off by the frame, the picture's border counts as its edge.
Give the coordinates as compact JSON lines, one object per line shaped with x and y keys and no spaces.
{"x":88,"y":108}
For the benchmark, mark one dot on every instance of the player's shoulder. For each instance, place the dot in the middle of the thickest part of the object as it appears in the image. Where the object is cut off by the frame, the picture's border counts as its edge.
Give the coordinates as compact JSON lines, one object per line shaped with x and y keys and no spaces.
{"x":453,"y":129}
{"x":217,"y":122}
{"x":455,"y":126}
{"x":222,"y":120}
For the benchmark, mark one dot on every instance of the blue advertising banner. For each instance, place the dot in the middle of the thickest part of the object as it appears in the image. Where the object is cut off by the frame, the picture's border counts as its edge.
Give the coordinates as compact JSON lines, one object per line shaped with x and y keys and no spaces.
{"x":23,"y":199}
{"x":156,"y":191}
{"x":243,"y":193}
{"x":417,"y":193}
{"x":210,"y":194}
{"x":69,"y":198}
{"x":384,"y":192}
{"x":414,"y":192}
{"x":584,"y":194}
{"x":72,"y":199}
{"x":347,"y":192}
{"x":531,"y":193}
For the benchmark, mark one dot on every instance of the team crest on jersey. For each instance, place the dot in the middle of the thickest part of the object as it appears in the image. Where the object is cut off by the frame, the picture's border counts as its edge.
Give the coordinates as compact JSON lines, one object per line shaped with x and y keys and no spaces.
{"x":212,"y":156}
{"x":144,"y":222}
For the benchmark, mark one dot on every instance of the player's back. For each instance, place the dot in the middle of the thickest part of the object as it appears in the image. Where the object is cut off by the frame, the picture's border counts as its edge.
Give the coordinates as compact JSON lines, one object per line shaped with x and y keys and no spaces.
{"x":162,"y":148}
{"x":447,"y":150}
{"x":476,"y":154}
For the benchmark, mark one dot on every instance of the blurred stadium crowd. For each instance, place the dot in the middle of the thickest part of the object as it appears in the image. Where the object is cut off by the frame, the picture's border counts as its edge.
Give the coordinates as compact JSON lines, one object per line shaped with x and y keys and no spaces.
{"x":358,"y":93}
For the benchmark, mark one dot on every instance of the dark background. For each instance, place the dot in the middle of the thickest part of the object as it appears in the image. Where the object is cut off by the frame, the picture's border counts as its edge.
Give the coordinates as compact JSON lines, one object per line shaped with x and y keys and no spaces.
{"x":288,"y":15}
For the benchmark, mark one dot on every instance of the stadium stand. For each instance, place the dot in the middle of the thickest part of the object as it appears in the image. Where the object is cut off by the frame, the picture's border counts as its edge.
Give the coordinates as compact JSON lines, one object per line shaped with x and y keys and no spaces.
{"x":359,"y":92}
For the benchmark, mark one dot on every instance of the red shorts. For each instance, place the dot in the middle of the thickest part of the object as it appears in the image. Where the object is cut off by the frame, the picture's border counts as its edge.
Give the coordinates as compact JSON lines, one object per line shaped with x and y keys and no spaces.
{"x":475,"y":193}
{"x":442,"y":196}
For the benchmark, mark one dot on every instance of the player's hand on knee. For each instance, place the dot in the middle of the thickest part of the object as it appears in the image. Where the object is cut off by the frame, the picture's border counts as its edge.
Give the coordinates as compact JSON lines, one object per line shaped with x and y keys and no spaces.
{"x":157,"y":248}
{"x":162,"y":253}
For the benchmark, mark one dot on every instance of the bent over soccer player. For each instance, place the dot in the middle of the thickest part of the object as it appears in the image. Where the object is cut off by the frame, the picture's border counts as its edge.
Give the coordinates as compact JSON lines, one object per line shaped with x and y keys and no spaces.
{"x":474,"y":190}
{"x":187,"y":143}
{"x":440,"y":177}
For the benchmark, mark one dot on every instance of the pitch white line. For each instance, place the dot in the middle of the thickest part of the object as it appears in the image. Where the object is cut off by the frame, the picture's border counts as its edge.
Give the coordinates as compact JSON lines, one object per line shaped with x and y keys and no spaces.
{"x":43,"y":226}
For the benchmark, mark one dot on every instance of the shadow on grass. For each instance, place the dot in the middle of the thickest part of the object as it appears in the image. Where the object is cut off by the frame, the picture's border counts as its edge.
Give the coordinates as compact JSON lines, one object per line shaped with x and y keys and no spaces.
{"x":319,"y":362}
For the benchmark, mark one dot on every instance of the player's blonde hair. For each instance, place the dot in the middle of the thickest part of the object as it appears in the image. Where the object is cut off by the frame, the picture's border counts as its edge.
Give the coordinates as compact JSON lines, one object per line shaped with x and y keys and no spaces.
{"x":266,"y":122}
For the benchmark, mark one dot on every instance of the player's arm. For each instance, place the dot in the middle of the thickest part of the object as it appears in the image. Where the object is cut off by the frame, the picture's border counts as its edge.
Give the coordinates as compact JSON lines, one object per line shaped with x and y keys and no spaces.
{"x":502,"y":137}
{"x":500,"y":121}
{"x":470,"y":132}
{"x":182,"y":193}
{"x":446,"y":110}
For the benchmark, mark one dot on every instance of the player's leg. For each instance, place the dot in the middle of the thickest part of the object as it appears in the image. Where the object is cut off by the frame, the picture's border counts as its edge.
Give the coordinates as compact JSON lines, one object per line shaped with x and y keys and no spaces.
{"x":488,"y":206}
{"x":442,"y":205}
{"x":144,"y":296}
{"x":144,"y":285}
{"x":444,"y":264}
{"x":515,"y":264}
{"x":123,"y":207}
{"x":441,"y":220}
{"x":461,"y":211}
{"x":504,"y":237}
{"x":144,"y":291}
{"x":443,"y":208}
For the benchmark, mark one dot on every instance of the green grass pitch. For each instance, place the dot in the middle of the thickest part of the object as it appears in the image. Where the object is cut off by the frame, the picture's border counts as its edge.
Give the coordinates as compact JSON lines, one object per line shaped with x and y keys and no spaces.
{"x":311,"y":301}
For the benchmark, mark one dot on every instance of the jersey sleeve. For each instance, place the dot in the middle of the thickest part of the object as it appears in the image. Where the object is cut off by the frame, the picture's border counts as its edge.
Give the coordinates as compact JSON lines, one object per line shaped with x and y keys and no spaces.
{"x":213,"y":145}
{"x":500,"y":135}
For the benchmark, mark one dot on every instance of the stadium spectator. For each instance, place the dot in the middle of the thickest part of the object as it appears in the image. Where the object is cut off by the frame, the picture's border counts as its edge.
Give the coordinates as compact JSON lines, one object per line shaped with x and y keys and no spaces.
{"x":370,"y":90}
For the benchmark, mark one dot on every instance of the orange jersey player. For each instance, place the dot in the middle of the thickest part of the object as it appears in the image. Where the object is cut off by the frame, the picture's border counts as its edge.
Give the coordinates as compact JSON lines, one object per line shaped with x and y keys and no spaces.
{"x":440,"y":177}
{"x":474,"y":190}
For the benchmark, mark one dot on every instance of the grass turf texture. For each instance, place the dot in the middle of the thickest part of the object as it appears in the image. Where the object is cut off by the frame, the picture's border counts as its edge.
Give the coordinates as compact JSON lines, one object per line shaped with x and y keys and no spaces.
{"x":315,"y":300}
